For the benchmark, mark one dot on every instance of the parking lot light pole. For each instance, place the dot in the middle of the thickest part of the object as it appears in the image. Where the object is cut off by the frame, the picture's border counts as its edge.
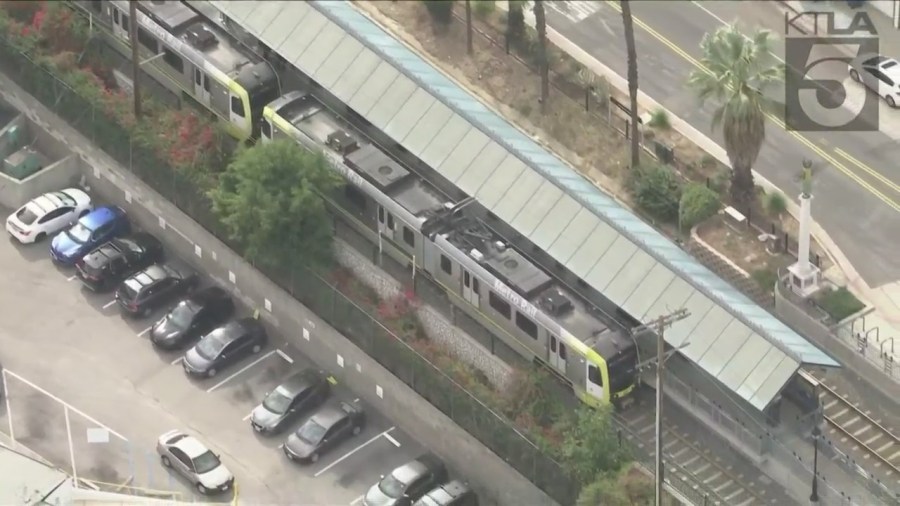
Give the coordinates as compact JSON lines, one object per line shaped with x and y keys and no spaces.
{"x":814,"y":496}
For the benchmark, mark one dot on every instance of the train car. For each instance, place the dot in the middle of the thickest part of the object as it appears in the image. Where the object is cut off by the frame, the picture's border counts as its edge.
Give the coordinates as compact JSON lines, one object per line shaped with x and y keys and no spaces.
{"x":191,"y":56}
{"x":533,"y":313}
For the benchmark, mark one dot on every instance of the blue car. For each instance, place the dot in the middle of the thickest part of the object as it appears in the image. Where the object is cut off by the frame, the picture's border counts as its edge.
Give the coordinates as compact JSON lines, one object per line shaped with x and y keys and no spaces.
{"x":92,"y":230}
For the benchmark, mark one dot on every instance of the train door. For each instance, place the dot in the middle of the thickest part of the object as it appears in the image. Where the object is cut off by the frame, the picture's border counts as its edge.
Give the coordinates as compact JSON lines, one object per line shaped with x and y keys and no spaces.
{"x":471,"y":288}
{"x":236,"y":113}
{"x":201,"y":86}
{"x":120,"y":23}
{"x":558,"y":354}
{"x":594,"y":382}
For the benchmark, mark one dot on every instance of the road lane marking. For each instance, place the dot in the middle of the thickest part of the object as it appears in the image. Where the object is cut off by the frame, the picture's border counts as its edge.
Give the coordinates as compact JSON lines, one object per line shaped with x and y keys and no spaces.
{"x":141,"y":333}
{"x":70,"y":278}
{"x":803,"y":140}
{"x":285,"y":356}
{"x":177,"y":361}
{"x":248,"y":366}
{"x":351,"y":452}
{"x":66,"y":404}
{"x":877,"y":175}
{"x":108,"y":304}
{"x":392,"y":440}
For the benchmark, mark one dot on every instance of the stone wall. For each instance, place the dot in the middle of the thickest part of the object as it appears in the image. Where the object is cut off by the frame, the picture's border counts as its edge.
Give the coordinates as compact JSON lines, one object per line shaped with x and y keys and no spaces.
{"x":436,"y":327}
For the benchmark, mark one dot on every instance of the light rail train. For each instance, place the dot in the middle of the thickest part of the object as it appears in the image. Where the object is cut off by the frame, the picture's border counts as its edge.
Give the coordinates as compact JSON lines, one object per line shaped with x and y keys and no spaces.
{"x":531,"y":310}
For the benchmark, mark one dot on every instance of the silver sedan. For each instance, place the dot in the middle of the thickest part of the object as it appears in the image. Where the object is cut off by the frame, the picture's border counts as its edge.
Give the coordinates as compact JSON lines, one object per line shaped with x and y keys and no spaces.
{"x":193,"y":460}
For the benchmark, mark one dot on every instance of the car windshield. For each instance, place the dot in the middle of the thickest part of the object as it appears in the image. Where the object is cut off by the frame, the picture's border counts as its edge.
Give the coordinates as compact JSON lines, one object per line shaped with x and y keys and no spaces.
{"x":182,"y":315}
{"x":392,"y":487}
{"x":889,"y":65}
{"x":26,"y":216}
{"x":277,"y":402}
{"x":210,"y":346}
{"x":311,"y":432}
{"x":79,"y":233}
{"x":128,"y":244}
{"x":206,"y":462}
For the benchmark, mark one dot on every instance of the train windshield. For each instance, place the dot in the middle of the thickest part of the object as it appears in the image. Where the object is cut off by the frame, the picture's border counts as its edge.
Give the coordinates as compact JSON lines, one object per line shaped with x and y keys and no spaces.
{"x":622,"y":370}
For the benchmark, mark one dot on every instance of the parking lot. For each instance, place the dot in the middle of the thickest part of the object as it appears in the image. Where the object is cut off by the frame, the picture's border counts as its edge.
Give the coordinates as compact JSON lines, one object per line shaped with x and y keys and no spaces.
{"x":84,"y":385}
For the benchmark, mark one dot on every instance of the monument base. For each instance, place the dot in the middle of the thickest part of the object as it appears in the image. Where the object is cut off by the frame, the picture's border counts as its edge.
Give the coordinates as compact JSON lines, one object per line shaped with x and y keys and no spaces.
{"x":804,"y":279}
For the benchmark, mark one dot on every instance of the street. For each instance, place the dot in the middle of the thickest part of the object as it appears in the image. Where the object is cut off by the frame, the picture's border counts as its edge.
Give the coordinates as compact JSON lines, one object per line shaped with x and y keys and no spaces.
{"x":854,"y":169}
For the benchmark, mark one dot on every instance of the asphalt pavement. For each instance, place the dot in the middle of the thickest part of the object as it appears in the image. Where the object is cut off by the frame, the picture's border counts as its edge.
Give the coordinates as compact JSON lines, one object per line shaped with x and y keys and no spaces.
{"x":856,"y":195}
{"x":86,"y":389}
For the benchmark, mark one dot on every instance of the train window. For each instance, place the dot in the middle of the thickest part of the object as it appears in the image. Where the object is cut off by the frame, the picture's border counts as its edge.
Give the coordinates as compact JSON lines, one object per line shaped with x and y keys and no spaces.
{"x":527,"y":326}
{"x":409,"y":237}
{"x":237,"y":107}
{"x":594,"y":375}
{"x":380,"y":214}
{"x":499,"y":305}
{"x":475,"y":287}
{"x":562,"y":350}
{"x":125,"y":22}
{"x":446,"y":265}
{"x":390,"y":221}
{"x":147,"y":41}
{"x":173,"y":60}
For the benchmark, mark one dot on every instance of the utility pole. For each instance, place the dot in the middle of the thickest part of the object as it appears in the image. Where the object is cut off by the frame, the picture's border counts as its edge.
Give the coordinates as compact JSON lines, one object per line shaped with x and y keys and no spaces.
{"x":659,"y":325}
{"x":135,"y":58}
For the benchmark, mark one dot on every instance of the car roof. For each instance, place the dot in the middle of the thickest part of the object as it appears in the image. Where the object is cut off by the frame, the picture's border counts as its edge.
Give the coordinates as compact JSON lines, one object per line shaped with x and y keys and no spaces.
{"x":232,"y":330}
{"x":412,"y":470}
{"x":328,"y":416}
{"x":105,"y":252}
{"x":101,"y":216}
{"x":301,"y":381}
{"x":191,"y":446}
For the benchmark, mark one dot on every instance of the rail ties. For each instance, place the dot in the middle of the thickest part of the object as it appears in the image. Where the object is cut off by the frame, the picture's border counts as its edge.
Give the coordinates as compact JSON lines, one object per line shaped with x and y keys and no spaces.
{"x":873,"y":446}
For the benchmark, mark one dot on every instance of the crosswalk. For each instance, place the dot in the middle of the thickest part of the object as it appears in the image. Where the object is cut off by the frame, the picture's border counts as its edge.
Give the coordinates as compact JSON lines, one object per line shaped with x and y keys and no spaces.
{"x":576,"y":10}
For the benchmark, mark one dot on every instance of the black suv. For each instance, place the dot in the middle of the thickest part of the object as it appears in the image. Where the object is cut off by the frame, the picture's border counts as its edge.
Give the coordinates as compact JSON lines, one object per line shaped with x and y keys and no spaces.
{"x":192,"y":318}
{"x":154,"y":286}
{"x":407,"y":483}
{"x":106,"y":266}
{"x":454,"y":493}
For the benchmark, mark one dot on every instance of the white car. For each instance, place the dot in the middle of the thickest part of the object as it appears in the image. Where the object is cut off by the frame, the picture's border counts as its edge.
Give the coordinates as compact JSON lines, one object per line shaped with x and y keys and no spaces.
{"x":878,"y":73}
{"x":190,"y":458}
{"x":48,"y":214}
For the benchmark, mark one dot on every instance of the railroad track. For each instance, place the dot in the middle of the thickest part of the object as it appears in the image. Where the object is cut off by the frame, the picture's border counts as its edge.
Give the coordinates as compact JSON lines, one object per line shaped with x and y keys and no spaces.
{"x":872,"y":446}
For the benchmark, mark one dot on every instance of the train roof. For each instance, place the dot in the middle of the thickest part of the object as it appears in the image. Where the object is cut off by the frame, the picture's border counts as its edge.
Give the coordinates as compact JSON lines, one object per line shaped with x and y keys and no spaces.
{"x":467,"y":233}
{"x":207,"y":40}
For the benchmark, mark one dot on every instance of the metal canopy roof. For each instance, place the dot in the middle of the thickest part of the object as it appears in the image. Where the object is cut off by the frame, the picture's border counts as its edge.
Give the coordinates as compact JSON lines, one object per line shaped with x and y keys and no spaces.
{"x":734,"y":340}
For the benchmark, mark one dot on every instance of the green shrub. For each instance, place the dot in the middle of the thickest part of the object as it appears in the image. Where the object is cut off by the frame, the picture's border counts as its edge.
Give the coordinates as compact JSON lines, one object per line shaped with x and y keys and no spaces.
{"x":775,"y":203}
{"x":839,"y":303}
{"x":659,"y":118}
{"x":697,"y":204}
{"x":484,"y":8}
{"x":441,"y":11}
{"x":765,"y":279}
{"x":656,"y":190}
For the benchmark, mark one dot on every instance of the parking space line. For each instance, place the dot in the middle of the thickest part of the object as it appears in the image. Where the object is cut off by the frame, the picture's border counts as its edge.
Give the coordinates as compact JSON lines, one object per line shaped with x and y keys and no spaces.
{"x":392,"y":440}
{"x":357,"y":500}
{"x":351,"y":452}
{"x":177,"y":361}
{"x":248,"y":366}
{"x":64,"y":403}
{"x":248,"y":416}
{"x":72,"y":277}
{"x":110,"y":303}
{"x":284,"y":356}
{"x":141,"y":333}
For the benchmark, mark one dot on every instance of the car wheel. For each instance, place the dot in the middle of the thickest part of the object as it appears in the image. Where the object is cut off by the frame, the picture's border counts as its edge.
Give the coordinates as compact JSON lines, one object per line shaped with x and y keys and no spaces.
{"x":212,"y":372}
{"x":40,"y":237}
{"x":202,"y":489}
{"x":357,"y":430}
{"x":165,"y":461}
{"x":314,"y":458}
{"x":256,"y":348}
{"x":890,"y":101}
{"x":854,"y":75}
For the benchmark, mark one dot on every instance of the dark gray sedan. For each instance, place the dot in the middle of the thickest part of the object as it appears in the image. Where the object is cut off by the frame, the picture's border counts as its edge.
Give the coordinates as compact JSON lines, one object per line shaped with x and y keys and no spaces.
{"x":225,"y":346}
{"x":301,"y":392}
{"x":323,"y":431}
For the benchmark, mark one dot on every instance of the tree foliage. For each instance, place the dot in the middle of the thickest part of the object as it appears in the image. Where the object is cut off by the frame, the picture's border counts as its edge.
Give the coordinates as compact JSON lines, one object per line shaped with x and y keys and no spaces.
{"x":736,"y":71}
{"x":697,"y":204}
{"x":591,"y":445}
{"x":656,"y":190}
{"x":441,"y":11}
{"x":270,"y":200}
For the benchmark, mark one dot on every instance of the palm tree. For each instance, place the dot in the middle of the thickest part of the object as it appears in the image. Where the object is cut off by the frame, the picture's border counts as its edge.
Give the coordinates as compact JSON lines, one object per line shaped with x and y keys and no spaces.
{"x":736,"y":72}
{"x":469,"y":26}
{"x":628,"y":25}
{"x":540,"y":23}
